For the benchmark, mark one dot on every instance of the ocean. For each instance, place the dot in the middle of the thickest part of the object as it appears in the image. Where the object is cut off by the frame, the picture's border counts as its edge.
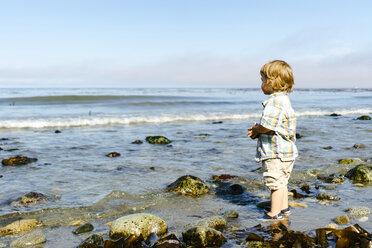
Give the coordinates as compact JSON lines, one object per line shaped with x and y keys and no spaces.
{"x":208,"y":131}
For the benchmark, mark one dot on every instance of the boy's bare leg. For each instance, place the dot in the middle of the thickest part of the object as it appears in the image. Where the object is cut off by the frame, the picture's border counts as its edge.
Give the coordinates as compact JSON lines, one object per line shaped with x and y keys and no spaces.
{"x":276,"y":201}
{"x":285,"y":198}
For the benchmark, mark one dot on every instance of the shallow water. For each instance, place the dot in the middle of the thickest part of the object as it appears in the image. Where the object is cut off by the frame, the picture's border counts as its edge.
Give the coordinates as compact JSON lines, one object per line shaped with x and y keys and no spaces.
{"x":84,"y":184}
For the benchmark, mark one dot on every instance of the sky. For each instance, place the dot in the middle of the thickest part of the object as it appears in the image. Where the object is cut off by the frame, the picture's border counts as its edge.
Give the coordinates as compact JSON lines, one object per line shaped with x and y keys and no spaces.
{"x":183,"y":43}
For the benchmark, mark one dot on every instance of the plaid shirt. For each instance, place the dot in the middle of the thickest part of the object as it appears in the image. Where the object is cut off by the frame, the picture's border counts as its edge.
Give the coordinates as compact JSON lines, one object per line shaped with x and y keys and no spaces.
{"x":279,"y":117}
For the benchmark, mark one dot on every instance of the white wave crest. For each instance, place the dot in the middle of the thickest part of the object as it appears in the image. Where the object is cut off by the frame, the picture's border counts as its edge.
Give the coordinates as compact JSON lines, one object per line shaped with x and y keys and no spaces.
{"x":131,"y":120}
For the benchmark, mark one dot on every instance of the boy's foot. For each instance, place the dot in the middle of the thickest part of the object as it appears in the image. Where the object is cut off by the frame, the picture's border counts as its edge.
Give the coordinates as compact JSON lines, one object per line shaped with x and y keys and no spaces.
{"x":286,"y":212}
{"x":272,"y":218}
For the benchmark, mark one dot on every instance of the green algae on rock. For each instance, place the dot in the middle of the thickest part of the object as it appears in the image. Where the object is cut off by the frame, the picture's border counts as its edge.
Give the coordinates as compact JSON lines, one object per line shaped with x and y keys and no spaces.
{"x":30,"y":198}
{"x":137,"y":142}
{"x":203,"y":237}
{"x":189,"y":185}
{"x":360,"y":173}
{"x":18,"y":160}
{"x":138,"y":224}
{"x":364,"y":118}
{"x":349,"y":161}
{"x":158,"y":140}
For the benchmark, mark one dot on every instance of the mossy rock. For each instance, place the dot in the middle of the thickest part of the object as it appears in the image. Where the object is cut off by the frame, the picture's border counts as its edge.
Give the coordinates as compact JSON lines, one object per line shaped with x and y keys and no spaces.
{"x":360,"y":173}
{"x":203,"y":237}
{"x":18,"y":160}
{"x":364,"y":118}
{"x":349,"y":161}
{"x":189,"y":185}
{"x":158,"y":140}
{"x":137,"y":224}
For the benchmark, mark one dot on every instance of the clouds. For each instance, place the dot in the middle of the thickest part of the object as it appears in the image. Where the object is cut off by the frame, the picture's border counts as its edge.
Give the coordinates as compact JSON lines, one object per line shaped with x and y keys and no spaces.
{"x":341,"y":70}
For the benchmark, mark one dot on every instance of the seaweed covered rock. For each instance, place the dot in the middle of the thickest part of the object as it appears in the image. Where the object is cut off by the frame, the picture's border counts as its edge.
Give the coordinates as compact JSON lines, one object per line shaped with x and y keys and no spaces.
{"x":360,"y":173}
{"x":158,"y":140}
{"x":137,"y":142}
{"x":349,"y":161}
{"x":93,"y":241}
{"x":364,"y":118}
{"x":203,"y":237}
{"x":189,"y":185}
{"x":18,"y":160}
{"x":137,"y":224}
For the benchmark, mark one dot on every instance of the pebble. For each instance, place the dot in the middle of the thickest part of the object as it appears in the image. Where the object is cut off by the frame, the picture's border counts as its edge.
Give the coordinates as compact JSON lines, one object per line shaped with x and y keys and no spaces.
{"x":84,"y":228}
{"x":232,"y":215}
{"x":358,"y":211}
{"x":296,"y":204}
{"x":19,"y":226}
{"x":343,"y":219}
{"x":29,"y":239}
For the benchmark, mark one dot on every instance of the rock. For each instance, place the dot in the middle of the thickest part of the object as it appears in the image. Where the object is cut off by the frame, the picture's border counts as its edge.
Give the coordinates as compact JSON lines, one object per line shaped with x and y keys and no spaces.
{"x":264,"y":204}
{"x":296,"y":204}
{"x":57,"y":131}
{"x":189,"y":185}
{"x":170,"y":241}
{"x":83,"y":229}
{"x":203,"y":237}
{"x":18,"y":160}
{"x":29,"y":239}
{"x":327,"y":147}
{"x":328,"y":197}
{"x":217,"y":122}
{"x":113,"y":154}
{"x":137,"y":142}
{"x":343,"y":219}
{"x":158,"y":140}
{"x":358,"y":146}
{"x":360,"y":173}
{"x":93,"y":241}
{"x":364,"y":118}
{"x":334,"y":114}
{"x":349,"y":161}
{"x":299,"y":136}
{"x":215,"y":222}
{"x":223,"y":177}
{"x":333,"y":226}
{"x":19,"y":226}
{"x":232,"y":215}
{"x":30,"y":199}
{"x":257,"y":244}
{"x":131,"y":242}
{"x":358,"y":211}
{"x":137,"y":224}
{"x":333,"y":178}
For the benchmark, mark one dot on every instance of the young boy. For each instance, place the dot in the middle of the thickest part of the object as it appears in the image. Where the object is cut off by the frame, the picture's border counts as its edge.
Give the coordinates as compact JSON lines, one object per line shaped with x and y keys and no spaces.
{"x":276,"y":135}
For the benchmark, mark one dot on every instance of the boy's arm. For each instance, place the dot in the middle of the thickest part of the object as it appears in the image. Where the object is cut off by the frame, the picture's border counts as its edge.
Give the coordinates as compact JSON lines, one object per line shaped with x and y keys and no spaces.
{"x":256,"y":130}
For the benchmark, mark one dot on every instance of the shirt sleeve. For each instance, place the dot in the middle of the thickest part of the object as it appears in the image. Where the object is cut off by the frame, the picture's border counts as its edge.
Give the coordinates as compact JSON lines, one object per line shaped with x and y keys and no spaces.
{"x":272,"y":118}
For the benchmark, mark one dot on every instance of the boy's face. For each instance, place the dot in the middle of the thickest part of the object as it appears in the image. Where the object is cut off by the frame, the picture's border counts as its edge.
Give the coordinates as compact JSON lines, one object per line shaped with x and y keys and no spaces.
{"x":266,"y":86}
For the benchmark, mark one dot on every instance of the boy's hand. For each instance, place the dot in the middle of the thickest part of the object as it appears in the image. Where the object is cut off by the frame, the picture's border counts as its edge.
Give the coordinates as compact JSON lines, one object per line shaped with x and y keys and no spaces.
{"x":252,"y":131}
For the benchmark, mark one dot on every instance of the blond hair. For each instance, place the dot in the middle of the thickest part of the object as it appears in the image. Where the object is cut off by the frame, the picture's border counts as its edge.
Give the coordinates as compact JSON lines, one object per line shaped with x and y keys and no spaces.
{"x":279,"y":75}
